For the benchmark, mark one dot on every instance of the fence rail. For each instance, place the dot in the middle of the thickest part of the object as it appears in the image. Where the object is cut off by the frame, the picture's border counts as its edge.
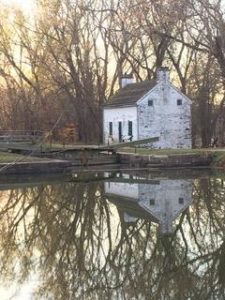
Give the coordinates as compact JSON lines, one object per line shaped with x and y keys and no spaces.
{"x":134,"y":143}
{"x":21,"y":135}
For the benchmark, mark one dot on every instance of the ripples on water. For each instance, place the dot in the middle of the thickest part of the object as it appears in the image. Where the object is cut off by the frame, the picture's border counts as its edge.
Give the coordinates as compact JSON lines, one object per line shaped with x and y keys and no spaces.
{"x":113,"y":236}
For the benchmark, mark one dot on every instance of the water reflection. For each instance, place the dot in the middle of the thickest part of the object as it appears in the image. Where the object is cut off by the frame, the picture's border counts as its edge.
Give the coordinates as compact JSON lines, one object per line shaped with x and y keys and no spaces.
{"x":161,"y":201}
{"x":70,"y":240}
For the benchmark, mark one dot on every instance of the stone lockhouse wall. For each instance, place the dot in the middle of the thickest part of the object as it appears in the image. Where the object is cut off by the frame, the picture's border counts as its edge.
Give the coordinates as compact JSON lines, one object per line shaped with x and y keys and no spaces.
{"x":165,"y":113}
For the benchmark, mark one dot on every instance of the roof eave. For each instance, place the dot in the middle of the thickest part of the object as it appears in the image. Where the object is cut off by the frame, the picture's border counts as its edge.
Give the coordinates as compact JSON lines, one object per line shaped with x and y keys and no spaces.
{"x":146,"y":94}
{"x":181,"y":93}
{"x":119,"y":105}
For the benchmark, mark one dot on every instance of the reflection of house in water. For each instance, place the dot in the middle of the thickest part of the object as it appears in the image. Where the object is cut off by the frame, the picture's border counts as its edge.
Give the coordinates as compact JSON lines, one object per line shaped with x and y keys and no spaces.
{"x":161,"y":201}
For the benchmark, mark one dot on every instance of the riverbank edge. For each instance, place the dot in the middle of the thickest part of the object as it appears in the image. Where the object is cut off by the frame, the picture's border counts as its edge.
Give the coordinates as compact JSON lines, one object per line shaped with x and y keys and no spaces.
{"x":210,"y":159}
{"x":166,"y":160}
{"x":53,"y":166}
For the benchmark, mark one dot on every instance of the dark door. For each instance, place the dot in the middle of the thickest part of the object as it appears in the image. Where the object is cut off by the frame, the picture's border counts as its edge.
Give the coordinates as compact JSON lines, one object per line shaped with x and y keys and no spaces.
{"x":120,"y":131}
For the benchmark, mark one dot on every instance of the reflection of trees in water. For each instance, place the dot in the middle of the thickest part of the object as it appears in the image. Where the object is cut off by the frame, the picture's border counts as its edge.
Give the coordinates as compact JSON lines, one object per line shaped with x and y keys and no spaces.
{"x":69,"y":234}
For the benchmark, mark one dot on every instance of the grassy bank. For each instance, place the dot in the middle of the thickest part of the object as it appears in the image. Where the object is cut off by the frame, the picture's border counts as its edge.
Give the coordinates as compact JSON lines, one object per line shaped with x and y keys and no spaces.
{"x":218,"y":159}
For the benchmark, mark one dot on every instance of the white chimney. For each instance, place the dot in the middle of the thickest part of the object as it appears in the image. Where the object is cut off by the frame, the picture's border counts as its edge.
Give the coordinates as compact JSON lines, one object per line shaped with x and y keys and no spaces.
{"x":126,"y":79}
{"x":162,"y":75}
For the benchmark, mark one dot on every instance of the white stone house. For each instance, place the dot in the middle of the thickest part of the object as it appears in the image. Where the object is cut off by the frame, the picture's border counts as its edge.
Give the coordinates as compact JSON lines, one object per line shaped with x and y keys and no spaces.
{"x":148,"y":109}
{"x":161,"y":202}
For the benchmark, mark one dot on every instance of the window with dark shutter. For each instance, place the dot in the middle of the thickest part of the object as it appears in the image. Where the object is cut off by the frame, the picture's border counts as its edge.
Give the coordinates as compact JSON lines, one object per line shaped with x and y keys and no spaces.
{"x":110,"y":128}
{"x":130,"y":128}
{"x":120,"y":131}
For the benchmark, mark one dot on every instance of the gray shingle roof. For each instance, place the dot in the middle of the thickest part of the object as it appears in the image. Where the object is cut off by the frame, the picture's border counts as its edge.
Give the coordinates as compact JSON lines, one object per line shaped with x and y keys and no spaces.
{"x":131,"y":93}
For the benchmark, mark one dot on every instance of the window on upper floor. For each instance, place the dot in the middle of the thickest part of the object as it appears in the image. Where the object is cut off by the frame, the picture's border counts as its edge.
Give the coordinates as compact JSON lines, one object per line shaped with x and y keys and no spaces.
{"x":181,"y":200}
{"x":150,"y":102}
{"x":179,"y":101}
{"x":152,"y":202}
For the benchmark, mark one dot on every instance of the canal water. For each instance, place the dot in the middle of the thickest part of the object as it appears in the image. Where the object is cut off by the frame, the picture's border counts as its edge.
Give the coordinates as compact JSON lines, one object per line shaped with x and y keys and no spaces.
{"x":113,"y":235}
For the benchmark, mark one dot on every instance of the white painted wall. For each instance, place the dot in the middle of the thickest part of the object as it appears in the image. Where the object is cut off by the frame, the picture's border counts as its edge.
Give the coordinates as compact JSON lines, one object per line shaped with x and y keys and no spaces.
{"x":129,"y":190}
{"x":116,"y":115}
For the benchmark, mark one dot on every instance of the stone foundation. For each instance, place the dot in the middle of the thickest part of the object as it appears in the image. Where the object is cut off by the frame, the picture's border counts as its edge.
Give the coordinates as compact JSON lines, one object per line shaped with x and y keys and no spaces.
{"x":165,"y":161}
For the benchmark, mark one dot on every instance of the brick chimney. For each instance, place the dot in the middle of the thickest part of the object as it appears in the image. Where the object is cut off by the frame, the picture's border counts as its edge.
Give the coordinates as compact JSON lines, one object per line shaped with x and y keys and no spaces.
{"x":126,"y":79}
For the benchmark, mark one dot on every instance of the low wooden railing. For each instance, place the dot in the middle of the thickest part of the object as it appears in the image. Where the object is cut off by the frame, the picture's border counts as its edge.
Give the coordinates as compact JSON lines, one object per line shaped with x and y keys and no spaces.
{"x":21,"y":135}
